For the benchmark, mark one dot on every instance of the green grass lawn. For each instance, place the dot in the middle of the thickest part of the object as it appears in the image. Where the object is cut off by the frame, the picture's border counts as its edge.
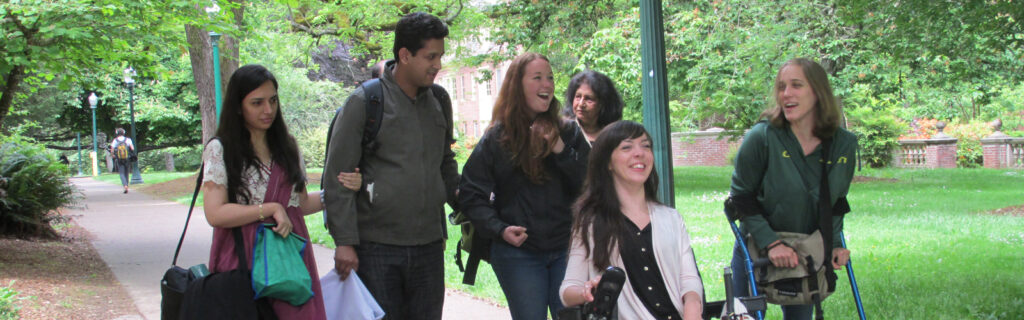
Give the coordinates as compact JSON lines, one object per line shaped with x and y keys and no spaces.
{"x":922,"y":243}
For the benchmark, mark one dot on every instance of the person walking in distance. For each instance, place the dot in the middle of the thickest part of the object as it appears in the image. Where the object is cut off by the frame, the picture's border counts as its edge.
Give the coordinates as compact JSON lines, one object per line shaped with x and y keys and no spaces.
{"x":122,"y":147}
{"x":391,"y":232}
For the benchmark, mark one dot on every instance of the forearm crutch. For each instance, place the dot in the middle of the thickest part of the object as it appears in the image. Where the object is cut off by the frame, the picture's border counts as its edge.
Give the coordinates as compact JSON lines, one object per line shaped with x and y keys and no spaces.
{"x":750,"y":265}
{"x":853,"y":280}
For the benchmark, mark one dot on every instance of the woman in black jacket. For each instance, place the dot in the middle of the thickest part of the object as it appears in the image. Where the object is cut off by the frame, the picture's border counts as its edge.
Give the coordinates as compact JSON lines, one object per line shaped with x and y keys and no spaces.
{"x":533,"y":163}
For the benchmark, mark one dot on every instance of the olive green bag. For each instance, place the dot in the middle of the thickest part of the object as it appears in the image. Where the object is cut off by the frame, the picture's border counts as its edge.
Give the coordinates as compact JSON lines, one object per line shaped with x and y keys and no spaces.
{"x":809,"y":283}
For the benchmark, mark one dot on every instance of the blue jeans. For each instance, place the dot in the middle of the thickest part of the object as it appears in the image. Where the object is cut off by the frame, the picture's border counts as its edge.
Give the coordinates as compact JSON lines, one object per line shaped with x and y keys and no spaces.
{"x":741,"y":287}
{"x":407,"y":281}
{"x":530,"y":279}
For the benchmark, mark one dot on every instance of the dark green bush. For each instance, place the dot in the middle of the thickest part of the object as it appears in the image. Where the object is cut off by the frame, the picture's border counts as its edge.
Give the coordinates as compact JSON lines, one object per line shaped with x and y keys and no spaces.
{"x":34,"y":185}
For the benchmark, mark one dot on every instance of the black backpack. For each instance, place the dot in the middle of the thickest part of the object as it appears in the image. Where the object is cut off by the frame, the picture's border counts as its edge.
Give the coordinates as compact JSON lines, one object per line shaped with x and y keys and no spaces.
{"x":375,"y":114}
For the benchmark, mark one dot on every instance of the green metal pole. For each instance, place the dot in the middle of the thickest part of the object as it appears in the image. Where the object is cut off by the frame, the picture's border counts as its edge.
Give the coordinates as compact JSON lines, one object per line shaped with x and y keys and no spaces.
{"x":95,"y":155}
{"x":78,"y":141}
{"x":94,"y":131}
{"x":655,"y":95}
{"x":214,"y":39}
{"x":136,"y":175}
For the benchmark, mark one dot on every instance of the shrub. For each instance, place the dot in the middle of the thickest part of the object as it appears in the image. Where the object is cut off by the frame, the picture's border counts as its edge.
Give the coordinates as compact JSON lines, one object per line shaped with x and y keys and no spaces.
{"x":8,"y":309}
{"x":185,"y":159}
{"x":32,"y":186}
{"x":968,"y":149}
{"x":878,"y":133}
{"x":922,"y":128}
{"x":312,"y":143}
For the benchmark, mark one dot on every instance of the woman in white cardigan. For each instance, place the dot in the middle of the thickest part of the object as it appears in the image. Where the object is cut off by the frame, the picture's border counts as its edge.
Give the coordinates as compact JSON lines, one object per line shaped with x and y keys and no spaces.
{"x":625,"y":226}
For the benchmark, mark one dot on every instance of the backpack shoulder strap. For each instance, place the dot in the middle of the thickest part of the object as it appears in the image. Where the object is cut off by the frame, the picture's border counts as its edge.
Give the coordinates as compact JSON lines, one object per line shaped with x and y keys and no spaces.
{"x":446,"y":108}
{"x":374,"y":114}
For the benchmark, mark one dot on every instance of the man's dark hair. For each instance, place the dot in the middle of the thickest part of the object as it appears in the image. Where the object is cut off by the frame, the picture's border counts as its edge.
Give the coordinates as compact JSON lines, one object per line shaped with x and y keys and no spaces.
{"x":415,"y":28}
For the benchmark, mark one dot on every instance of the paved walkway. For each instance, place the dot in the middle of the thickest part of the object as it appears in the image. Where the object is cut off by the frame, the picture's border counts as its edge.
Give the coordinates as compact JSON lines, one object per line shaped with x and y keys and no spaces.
{"x":135,"y":235}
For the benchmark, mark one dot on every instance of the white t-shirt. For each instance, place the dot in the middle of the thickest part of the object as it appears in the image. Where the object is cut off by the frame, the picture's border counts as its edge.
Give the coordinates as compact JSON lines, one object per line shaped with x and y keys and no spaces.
{"x":113,"y":143}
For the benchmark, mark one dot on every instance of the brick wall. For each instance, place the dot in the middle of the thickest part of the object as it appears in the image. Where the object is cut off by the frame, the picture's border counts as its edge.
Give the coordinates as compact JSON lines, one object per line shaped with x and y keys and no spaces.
{"x":702,"y":148}
{"x":926,"y":153}
{"x":994,"y":155}
{"x":941,"y":155}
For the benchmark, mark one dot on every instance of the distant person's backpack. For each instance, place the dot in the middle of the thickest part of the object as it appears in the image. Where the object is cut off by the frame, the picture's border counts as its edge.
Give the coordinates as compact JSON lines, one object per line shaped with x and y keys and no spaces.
{"x":121,"y":149}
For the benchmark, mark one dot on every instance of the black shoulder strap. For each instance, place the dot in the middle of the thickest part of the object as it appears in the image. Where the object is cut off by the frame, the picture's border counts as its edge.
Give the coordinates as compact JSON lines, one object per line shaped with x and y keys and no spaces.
{"x":199,"y":181}
{"x":825,"y":201}
{"x":446,"y":108}
{"x":374,"y":115}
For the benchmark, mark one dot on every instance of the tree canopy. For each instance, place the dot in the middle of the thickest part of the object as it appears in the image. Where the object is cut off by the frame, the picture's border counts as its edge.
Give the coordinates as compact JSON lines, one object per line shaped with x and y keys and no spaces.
{"x":915,"y":58}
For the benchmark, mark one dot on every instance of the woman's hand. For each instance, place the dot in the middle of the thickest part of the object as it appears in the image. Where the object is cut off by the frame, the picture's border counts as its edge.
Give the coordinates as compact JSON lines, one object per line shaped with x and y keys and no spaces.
{"x":549,"y":133}
{"x":839,"y":257}
{"x":782,"y":256}
{"x":514,"y":235}
{"x":351,"y":180}
{"x":284,"y":225}
{"x":693,"y":307}
{"x":588,"y":289}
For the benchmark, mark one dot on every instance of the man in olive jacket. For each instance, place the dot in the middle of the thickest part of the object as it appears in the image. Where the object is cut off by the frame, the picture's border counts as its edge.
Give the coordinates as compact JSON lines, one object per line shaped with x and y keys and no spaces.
{"x":392,"y":231}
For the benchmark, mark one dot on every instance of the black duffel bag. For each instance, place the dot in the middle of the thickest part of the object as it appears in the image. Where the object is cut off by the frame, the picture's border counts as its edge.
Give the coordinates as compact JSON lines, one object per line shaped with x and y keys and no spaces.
{"x":222,"y":295}
{"x":226,"y":295}
{"x":176,"y":279}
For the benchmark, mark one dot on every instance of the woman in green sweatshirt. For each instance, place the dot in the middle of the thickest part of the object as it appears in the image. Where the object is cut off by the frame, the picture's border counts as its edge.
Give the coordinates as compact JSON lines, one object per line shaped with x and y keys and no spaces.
{"x":775,"y":184}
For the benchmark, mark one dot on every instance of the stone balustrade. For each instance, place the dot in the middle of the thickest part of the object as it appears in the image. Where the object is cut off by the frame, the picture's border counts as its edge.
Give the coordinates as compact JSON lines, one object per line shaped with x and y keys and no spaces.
{"x":939,"y":151}
{"x":1001,"y":150}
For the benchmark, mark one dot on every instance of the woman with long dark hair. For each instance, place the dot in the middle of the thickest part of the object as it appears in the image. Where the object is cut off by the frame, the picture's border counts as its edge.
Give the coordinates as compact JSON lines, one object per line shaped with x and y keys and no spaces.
{"x":253,"y":175}
{"x":619,"y":222}
{"x":532,"y":162}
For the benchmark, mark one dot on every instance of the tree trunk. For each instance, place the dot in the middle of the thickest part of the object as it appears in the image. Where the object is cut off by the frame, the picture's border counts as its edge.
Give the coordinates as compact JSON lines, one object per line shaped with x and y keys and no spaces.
{"x":11,"y":82}
{"x":229,"y":47}
{"x":169,"y":161}
{"x":200,"y":53}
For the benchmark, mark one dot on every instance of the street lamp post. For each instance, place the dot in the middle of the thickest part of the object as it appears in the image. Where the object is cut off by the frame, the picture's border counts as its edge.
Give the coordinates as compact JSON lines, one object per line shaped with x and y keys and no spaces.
{"x":128,"y":73}
{"x":78,"y":141}
{"x":214,"y":40}
{"x":92,"y":105}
